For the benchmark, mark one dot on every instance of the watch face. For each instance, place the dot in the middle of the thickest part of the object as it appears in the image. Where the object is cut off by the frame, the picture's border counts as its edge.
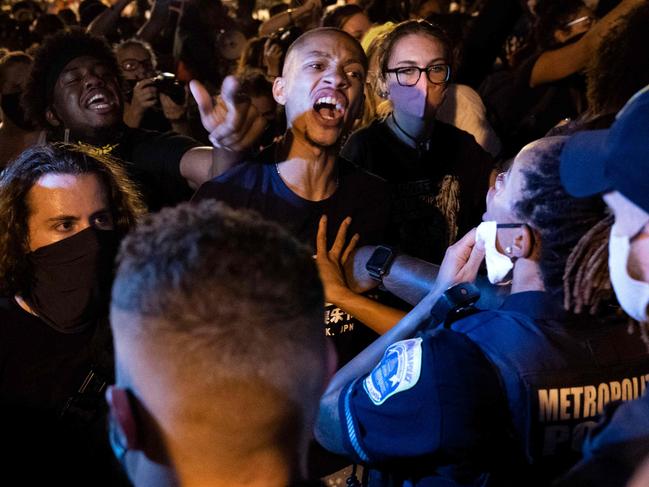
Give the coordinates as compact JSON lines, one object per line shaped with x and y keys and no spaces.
{"x":379,"y":258}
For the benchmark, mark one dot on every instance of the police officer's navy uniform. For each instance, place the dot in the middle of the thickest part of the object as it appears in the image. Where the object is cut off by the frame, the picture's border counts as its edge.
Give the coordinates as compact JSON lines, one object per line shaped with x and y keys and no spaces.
{"x":615,"y":448}
{"x":501,"y":394}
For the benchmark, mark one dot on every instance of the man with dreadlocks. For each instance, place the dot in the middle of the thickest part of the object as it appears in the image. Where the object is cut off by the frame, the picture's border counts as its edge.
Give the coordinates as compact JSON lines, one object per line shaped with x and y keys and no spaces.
{"x":501,"y":397}
{"x":615,"y":163}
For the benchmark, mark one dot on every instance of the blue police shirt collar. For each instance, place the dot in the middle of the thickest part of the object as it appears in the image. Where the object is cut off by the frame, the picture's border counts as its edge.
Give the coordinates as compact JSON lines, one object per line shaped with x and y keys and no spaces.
{"x":538,"y":305}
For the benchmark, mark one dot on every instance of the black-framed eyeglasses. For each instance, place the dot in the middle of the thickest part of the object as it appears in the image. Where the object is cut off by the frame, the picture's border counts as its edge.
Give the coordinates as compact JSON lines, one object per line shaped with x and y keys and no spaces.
{"x":510,"y":225}
{"x":409,"y":75}
{"x":133,"y":64}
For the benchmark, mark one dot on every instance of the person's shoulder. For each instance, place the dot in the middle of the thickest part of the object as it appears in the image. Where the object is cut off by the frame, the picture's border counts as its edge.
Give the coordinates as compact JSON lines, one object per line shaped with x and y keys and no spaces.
{"x":246,"y":172}
{"x":361,"y":180}
{"x":461,"y":144}
{"x":240,"y":179}
{"x":351,"y":169}
{"x":144,"y":136}
{"x":450,"y":134}
{"x":523,"y":72}
{"x":615,"y":448}
{"x":369,"y":134}
{"x":467,"y":94}
{"x":487,"y":319}
{"x":176,"y":138}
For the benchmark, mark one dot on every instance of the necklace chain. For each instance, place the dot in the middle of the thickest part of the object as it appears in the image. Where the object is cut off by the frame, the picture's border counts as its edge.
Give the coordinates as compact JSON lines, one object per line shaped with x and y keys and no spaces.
{"x":420,"y":145}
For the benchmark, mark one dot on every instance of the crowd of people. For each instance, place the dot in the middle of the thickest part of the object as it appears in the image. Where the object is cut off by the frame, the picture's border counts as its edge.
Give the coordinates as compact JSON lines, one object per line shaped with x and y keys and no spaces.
{"x":378,"y":243}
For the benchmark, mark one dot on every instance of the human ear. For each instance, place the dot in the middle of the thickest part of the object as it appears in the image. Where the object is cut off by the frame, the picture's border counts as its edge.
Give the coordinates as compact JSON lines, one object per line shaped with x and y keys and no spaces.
{"x":51,"y":117}
{"x":382,"y":88}
{"x":122,"y":413}
{"x":522,"y":244}
{"x":279,"y":90}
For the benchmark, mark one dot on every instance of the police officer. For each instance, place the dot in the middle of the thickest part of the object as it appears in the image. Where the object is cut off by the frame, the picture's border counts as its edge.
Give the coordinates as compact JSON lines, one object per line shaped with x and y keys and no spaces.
{"x":500,"y":394}
{"x":615,"y":163}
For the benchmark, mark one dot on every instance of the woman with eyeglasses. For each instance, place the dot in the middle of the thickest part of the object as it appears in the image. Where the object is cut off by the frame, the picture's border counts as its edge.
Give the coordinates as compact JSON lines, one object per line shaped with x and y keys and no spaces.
{"x":145,"y":106}
{"x":438,"y":173}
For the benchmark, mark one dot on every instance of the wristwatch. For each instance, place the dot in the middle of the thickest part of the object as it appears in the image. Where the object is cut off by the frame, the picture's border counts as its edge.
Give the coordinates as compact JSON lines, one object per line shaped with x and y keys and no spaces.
{"x":379,"y":263}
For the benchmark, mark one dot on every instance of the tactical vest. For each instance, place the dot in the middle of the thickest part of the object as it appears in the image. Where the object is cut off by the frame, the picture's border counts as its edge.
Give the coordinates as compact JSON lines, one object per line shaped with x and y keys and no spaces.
{"x":558,"y":373}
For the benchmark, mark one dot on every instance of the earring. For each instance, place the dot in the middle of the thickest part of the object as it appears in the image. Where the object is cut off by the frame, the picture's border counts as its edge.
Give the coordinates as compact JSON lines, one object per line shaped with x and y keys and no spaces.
{"x":508,"y":250}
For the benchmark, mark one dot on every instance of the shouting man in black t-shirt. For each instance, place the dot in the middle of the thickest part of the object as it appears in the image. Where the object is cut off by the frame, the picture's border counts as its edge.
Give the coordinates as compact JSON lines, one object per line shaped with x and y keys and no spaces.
{"x":303,"y":178}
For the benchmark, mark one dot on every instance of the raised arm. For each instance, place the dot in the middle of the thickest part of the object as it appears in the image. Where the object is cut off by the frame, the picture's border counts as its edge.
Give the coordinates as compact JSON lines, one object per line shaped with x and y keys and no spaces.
{"x":460,"y":264}
{"x":331,"y":262}
{"x":157,"y":21}
{"x":287,"y":18}
{"x":106,"y":21}
{"x":560,"y":63}
{"x":409,"y":278}
{"x":233,"y":123}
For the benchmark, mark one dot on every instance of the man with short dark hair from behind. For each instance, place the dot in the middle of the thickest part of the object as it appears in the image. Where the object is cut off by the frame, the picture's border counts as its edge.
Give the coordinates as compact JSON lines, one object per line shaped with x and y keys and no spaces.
{"x":221,"y":360}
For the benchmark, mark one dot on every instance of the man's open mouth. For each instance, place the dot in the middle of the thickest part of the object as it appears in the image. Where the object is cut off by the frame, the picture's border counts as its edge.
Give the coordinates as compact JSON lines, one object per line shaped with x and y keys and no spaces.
{"x":330,"y":107}
{"x":99,"y":102}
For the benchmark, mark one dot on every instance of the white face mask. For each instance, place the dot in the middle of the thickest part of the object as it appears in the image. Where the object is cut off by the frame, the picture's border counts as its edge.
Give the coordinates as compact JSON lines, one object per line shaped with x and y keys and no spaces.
{"x":498,"y":264}
{"x":633,"y":295}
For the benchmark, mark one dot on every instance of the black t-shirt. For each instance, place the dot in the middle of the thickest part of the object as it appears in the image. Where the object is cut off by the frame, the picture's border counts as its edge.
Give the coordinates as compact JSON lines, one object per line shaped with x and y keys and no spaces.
{"x":362,"y":196}
{"x":39,"y":366}
{"x":54,"y":434}
{"x":154,"y":119}
{"x":152,"y":160}
{"x":259,"y":187}
{"x":426,"y":185}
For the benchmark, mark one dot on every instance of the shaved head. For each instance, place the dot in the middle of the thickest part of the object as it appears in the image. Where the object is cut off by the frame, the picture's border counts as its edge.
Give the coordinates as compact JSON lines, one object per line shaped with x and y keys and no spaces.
{"x":308,"y":40}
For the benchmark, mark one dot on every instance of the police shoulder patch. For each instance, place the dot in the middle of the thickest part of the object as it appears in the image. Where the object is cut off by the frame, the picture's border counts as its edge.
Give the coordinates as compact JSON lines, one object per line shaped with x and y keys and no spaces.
{"x":397,"y":371}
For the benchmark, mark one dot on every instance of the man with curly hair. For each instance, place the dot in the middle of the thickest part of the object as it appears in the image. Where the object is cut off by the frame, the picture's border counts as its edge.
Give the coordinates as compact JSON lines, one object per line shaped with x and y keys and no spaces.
{"x":74,"y":95}
{"x":62,"y":212}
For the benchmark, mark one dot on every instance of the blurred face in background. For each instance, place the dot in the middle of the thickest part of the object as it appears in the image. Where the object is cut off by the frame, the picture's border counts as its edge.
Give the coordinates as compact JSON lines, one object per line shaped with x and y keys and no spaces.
{"x":135,"y":62}
{"x":357,"y":25}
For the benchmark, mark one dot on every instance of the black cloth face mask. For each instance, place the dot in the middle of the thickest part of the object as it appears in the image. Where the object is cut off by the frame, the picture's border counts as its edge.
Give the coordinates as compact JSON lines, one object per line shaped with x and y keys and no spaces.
{"x":72,"y":279}
{"x":11,"y":107}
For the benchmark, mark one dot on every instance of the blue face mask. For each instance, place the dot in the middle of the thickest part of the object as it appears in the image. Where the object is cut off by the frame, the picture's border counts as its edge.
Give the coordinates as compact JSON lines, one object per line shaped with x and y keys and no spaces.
{"x":408,"y":100}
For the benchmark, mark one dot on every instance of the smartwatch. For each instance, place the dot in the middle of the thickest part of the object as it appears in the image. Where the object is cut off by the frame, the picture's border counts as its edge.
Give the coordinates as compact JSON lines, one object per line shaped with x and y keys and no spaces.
{"x":379,"y":263}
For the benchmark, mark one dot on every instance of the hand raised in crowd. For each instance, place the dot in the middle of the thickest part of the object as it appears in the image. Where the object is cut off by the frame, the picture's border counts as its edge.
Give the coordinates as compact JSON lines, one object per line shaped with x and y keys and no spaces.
{"x":233,"y":122}
{"x":461,"y":262}
{"x":272,"y":58}
{"x":312,"y":5}
{"x":331,"y":262}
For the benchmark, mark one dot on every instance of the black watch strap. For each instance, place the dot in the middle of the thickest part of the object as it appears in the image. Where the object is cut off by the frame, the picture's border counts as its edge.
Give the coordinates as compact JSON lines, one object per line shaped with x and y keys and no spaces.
{"x":380,"y":262}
